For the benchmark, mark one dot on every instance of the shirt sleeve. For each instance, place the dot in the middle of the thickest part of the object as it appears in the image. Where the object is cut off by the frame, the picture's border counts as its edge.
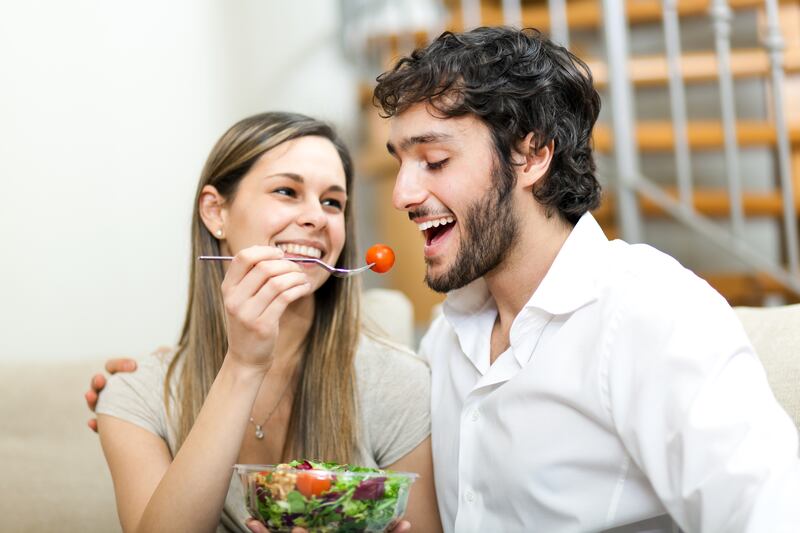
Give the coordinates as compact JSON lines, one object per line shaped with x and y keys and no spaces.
{"x":137,"y":397}
{"x":692,"y":405}
{"x":394,"y":390}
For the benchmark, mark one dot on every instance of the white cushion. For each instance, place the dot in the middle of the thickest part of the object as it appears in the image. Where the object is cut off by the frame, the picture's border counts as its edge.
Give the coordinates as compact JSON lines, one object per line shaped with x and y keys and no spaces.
{"x":775,"y":334}
{"x":390,"y":313}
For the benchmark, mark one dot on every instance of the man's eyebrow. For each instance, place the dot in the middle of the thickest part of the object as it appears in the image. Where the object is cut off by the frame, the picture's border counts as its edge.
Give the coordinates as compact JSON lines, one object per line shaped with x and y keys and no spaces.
{"x":425,"y":138}
{"x":299,"y":179}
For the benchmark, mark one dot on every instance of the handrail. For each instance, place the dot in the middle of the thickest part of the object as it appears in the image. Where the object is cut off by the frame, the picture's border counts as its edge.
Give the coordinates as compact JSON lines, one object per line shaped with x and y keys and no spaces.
{"x":703,"y":226}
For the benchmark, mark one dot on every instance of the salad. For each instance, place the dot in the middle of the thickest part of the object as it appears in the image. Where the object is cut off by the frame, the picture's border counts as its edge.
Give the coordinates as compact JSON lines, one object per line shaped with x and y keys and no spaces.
{"x":323,"y":497}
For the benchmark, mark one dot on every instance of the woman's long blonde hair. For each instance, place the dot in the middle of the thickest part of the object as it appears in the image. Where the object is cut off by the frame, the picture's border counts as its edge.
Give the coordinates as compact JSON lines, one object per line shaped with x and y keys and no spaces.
{"x":323,"y":421}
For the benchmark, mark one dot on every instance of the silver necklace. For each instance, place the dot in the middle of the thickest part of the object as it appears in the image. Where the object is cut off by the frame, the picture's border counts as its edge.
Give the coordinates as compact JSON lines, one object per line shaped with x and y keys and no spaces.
{"x":260,"y":427}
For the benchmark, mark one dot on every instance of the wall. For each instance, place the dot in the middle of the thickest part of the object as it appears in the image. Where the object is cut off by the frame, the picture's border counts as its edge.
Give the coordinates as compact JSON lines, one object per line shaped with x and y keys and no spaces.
{"x":107,"y":111}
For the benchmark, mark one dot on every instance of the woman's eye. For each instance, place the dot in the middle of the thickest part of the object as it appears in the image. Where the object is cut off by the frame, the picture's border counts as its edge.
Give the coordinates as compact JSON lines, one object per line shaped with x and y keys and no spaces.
{"x":286,"y":191}
{"x":436,"y":165}
{"x":336,"y":204}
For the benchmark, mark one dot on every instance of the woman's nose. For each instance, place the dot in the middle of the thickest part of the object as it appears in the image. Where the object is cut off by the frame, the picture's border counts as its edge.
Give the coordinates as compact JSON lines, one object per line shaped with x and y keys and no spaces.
{"x":312,"y":215}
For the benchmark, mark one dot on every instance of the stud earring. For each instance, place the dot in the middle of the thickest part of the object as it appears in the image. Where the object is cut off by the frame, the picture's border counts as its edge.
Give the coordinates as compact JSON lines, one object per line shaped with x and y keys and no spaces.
{"x":218,"y":233}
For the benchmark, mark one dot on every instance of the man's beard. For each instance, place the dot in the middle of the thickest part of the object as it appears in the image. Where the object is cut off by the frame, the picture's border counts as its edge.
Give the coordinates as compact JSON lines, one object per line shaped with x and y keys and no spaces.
{"x":490,"y":229}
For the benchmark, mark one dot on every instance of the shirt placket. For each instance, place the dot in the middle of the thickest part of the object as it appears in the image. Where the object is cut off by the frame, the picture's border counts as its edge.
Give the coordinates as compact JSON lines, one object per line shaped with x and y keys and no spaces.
{"x":477,"y":424}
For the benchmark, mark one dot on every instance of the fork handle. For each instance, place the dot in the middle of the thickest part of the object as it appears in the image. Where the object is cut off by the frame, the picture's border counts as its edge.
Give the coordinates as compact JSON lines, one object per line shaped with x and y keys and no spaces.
{"x":230,"y":258}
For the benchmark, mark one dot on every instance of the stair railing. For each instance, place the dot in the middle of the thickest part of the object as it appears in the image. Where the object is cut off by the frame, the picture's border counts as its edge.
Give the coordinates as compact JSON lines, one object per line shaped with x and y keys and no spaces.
{"x":629,"y":180}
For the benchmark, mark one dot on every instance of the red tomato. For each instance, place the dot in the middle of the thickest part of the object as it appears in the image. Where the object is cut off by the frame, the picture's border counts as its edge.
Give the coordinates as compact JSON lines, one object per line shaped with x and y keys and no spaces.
{"x":310,"y":483}
{"x":382,"y":256}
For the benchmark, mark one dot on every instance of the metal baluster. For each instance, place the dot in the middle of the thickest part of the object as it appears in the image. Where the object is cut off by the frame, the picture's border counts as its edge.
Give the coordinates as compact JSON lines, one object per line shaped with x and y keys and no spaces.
{"x":721,"y":17}
{"x":621,"y":92}
{"x":774,"y":45}
{"x":440,"y":21}
{"x":677,"y":99}
{"x":512,"y":13}
{"x":559,"y":27}
{"x":471,"y":13}
{"x":406,"y":24}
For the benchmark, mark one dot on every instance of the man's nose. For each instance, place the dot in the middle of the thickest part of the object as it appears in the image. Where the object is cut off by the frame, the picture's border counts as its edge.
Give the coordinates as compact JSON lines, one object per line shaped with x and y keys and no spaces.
{"x":409,"y":190}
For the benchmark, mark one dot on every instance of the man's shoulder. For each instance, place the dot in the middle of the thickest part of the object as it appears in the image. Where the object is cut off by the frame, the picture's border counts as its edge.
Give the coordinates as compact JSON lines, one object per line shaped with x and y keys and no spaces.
{"x":646,"y":271}
{"x":652,"y":288}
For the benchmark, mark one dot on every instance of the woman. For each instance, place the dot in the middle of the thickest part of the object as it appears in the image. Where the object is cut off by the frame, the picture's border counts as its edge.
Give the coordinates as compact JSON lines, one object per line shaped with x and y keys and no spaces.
{"x":273,"y":366}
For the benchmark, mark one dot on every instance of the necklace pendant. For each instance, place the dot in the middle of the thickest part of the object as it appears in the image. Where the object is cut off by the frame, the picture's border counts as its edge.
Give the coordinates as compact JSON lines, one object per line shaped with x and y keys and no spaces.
{"x":259,"y":432}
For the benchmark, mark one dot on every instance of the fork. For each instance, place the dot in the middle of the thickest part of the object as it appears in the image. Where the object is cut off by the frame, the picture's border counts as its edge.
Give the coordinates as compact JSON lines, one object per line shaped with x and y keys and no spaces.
{"x":338,"y":272}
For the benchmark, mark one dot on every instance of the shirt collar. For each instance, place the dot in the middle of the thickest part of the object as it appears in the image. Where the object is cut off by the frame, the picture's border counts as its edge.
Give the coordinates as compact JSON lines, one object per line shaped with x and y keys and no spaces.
{"x":572,"y":280}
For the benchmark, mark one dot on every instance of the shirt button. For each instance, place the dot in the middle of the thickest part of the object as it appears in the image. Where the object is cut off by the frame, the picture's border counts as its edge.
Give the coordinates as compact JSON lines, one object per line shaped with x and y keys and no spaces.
{"x":474,"y":415}
{"x":470,"y":496}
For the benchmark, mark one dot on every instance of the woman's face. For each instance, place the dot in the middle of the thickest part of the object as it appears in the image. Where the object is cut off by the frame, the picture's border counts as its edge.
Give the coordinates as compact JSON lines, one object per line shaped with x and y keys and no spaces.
{"x":293,"y":198}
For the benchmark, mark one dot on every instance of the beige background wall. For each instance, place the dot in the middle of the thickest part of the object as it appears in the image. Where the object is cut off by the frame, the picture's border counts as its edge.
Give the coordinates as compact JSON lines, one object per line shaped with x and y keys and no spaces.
{"x":107,"y":111}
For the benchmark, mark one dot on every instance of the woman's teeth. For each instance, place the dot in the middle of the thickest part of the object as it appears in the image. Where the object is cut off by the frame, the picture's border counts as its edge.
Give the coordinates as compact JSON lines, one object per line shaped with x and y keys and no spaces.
{"x":297,"y":249}
{"x":435,"y":223}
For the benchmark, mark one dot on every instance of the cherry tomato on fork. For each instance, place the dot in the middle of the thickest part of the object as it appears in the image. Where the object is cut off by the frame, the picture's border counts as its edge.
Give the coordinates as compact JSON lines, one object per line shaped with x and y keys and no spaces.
{"x":382,"y":256}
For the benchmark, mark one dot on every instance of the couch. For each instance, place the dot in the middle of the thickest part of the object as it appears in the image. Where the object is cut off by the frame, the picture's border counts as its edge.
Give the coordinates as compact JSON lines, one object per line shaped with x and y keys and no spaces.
{"x":54,"y":476}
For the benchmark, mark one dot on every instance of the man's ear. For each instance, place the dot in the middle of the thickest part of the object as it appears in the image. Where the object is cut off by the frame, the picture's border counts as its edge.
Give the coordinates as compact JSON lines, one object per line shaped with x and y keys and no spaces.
{"x":213,"y":211}
{"x":535,"y":163}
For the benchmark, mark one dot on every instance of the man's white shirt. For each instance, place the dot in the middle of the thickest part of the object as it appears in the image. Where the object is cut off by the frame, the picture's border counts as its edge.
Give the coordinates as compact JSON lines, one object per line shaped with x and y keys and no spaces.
{"x":629,"y":392}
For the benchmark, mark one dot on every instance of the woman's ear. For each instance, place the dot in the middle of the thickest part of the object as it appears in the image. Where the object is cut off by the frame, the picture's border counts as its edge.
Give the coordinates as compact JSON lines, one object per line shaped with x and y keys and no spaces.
{"x":213,"y":211}
{"x":536,"y":163}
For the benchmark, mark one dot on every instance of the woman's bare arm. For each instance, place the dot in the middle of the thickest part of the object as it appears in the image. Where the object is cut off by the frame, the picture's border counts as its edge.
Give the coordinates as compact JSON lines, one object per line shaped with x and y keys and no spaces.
{"x":423,"y":511}
{"x":188,"y":493}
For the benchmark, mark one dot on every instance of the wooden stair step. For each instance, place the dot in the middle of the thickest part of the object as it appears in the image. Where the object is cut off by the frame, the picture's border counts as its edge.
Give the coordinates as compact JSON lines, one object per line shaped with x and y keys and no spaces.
{"x":696,"y":67}
{"x":748,"y":288}
{"x":709,"y":202}
{"x":702,"y":135}
{"x":581,"y":15}
{"x":588,"y":14}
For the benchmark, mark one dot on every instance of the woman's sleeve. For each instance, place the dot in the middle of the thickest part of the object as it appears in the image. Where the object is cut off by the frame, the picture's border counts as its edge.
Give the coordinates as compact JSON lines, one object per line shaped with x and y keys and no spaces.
{"x":137,"y":397}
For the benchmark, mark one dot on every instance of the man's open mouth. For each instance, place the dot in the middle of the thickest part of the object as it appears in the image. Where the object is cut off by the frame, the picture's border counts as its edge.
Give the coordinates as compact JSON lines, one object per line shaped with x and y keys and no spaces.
{"x":437,"y":228}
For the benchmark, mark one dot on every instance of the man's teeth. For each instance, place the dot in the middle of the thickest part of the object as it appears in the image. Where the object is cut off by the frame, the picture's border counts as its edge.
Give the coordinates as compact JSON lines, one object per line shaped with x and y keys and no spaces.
{"x":435,"y":223}
{"x":298,"y":249}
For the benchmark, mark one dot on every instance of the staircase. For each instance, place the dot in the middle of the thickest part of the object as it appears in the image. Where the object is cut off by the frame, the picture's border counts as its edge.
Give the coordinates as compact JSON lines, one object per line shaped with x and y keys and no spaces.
{"x":709,"y":168}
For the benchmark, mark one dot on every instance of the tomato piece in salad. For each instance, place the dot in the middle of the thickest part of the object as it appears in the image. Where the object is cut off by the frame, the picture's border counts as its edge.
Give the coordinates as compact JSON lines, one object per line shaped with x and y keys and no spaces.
{"x":310,"y":483}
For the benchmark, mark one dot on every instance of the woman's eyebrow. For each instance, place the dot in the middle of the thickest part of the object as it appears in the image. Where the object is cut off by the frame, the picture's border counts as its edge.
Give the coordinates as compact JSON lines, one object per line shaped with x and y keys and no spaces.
{"x":291,"y":175}
{"x":299,"y":179}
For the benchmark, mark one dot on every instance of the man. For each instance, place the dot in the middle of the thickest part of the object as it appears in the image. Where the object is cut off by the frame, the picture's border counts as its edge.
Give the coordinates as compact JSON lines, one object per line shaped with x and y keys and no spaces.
{"x":578,"y":384}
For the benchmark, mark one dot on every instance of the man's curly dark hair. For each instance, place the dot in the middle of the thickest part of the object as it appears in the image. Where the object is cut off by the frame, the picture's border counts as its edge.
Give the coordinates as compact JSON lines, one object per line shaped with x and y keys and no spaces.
{"x":516,"y":82}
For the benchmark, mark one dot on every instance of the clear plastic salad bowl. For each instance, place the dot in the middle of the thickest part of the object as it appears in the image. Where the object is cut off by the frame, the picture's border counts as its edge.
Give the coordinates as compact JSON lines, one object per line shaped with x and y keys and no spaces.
{"x":323,"y":497}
